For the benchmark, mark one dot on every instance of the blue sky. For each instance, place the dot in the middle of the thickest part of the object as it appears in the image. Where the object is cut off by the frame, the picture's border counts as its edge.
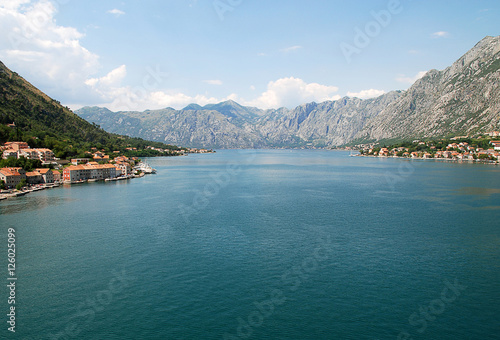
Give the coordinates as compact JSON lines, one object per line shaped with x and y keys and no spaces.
{"x":137,"y":55}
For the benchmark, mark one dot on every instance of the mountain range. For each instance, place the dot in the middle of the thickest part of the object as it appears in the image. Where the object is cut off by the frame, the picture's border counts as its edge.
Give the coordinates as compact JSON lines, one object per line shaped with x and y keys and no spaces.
{"x":462,"y":99}
{"x":27,"y":114}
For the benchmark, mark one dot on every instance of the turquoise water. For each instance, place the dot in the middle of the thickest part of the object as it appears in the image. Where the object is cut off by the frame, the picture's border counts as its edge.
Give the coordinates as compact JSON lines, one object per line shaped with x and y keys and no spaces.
{"x":262,"y":245}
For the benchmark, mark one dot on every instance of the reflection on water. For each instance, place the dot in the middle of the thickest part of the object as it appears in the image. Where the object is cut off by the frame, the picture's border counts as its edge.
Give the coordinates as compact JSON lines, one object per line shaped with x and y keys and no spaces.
{"x":393,"y":236}
{"x":30,"y":202}
{"x":52,"y":197}
{"x":490,"y":207}
{"x":483,"y":193}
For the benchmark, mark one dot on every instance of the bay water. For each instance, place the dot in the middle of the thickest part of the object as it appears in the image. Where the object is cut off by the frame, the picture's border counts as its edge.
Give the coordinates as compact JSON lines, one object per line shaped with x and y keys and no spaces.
{"x":261,"y":244}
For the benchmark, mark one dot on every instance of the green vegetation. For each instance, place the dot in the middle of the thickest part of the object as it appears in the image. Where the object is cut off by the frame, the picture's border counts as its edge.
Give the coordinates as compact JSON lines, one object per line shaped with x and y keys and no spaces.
{"x":471,"y":146}
{"x":21,"y":184}
{"x":431,"y":146}
{"x":485,"y":157}
{"x":26,"y":164}
{"x":43,"y":123}
{"x":495,"y":66}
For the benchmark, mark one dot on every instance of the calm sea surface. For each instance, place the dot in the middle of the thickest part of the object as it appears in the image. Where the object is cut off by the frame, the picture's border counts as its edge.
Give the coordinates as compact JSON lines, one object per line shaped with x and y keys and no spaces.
{"x":261,"y":245}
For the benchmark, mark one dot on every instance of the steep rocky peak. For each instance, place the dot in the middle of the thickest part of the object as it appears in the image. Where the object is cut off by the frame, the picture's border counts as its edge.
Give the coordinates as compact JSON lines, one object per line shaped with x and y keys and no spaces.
{"x":484,"y":50}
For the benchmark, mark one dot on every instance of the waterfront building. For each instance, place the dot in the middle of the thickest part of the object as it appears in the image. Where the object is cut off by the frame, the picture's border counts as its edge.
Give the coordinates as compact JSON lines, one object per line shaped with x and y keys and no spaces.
{"x":47,"y":175}
{"x":12,"y":176}
{"x":75,"y":173}
{"x":34,"y":177}
{"x":56,"y":175}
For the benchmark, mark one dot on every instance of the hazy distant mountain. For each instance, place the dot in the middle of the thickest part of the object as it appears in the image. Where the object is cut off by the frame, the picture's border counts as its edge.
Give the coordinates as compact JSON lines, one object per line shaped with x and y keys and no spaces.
{"x":464,"y":98}
{"x":27,"y":114}
{"x":194,"y":127}
{"x":230,"y":125}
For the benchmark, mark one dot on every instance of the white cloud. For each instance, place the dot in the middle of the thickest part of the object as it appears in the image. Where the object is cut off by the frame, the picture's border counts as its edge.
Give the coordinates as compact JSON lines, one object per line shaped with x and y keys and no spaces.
{"x":50,"y":55}
{"x":116,"y":12}
{"x":440,"y":34}
{"x":291,"y":92}
{"x":134,"y":99}
{"x":113,"y":78}
{"x":213,"y":82}
{"x":288,"y":92}
{"x":291,"y":49}
{"x":366,"y":94}
{"x":12,"y":4}
{"x":410,"y":80}
{"x":165,"y":99}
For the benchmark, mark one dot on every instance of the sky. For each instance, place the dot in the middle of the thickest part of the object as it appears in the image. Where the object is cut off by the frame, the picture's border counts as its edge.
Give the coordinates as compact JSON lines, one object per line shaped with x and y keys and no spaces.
{"x":152,"y":54}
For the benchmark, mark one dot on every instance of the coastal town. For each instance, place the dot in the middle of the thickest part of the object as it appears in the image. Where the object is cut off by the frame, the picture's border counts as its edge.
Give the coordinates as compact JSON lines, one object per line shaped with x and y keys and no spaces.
{"x":17,"y":181}
{"x":482,"y":149}
{"x":98,"y":166}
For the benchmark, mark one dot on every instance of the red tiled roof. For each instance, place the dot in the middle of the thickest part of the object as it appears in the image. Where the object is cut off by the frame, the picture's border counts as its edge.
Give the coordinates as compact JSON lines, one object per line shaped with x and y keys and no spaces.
{"x":32,"y":174}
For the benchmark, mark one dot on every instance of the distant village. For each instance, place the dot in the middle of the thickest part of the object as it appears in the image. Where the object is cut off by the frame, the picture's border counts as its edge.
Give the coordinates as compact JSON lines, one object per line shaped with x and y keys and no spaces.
{"x":454,"y":151}
{"x":16,"y":181}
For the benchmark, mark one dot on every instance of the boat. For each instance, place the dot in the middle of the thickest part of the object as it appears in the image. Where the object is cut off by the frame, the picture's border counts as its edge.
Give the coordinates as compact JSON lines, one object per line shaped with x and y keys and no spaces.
{"x":145,"y":168}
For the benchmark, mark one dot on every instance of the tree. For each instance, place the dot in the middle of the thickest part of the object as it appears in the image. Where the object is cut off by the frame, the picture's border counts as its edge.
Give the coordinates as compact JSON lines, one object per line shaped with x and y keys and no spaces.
{"x":2,"y":185}
{"x":21,"y":184}
{"x":26,"y":164}
{"x":485,"y":156}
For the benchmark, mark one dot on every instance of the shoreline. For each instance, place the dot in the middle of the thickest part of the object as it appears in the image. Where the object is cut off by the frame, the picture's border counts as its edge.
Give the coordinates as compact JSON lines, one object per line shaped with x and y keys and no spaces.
{"x":450,"y":160}
{"x":14,"y":193}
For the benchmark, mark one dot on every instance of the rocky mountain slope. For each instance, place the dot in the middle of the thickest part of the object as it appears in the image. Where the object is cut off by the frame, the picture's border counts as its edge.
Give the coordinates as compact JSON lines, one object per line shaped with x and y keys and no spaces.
{"x":324,"y":124}
{"x":29,"y":115}
{"x":224,"y":125}
{"x":462,"y":99}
